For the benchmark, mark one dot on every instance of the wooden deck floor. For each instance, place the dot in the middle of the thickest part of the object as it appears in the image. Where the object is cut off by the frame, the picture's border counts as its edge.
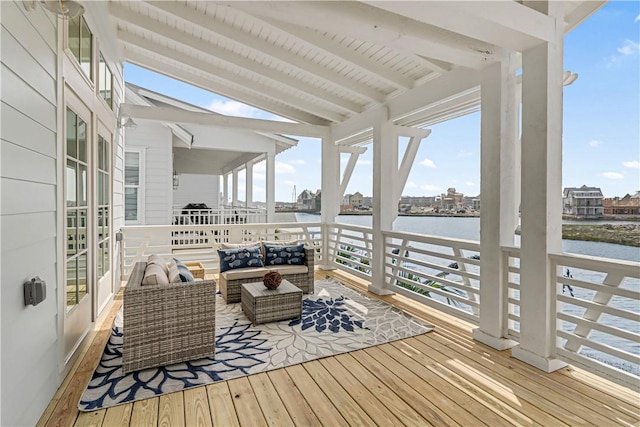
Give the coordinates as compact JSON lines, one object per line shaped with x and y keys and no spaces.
{"x":440,"y":378}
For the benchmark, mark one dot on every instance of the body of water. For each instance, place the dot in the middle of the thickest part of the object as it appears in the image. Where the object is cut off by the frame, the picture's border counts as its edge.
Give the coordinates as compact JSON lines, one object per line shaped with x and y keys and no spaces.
{"x":469,"y":229}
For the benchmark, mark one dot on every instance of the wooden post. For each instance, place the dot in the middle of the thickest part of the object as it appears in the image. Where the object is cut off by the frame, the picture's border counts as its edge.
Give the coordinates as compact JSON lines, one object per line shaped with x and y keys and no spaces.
{"x":541,"y":216}
{"x":499,"y":213}
{"x":271,"y":185}
{"x":234,"y":188}
{"x":249,"y":185}
{"x":330,"y":207}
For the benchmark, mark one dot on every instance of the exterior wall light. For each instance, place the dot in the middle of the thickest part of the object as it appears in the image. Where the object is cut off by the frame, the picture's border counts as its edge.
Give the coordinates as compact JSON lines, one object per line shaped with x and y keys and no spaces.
{"x":176,"y":180}
{"x":68,"y":8}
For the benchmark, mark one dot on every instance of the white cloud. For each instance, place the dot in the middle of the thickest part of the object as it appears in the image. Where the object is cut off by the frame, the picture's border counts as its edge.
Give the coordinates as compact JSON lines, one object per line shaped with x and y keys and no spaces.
{"x":281,"y":168}
{"x":612,"y":175}
{"x":298,"y":162}
{"x":470,"y":184}
{"x":428,"y":163}
{"x":633,"y":164}
{"x":429,"y":187}
{"x":363,"y":162}
{"x":464,"y":153}
{"x":238,"y":109}
{"x":595,"y":143}
{"x":637,"y":18}
{"x":629,"y":47}
{"x":410,"y":184}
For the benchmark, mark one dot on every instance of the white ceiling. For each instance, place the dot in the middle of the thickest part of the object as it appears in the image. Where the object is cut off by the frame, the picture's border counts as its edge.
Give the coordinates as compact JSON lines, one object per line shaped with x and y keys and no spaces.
{"x":329,"y":63}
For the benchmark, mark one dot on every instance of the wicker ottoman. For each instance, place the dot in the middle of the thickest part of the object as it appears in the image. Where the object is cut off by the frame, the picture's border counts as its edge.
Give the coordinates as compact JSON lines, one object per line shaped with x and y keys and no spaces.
{"x":262,"y":305}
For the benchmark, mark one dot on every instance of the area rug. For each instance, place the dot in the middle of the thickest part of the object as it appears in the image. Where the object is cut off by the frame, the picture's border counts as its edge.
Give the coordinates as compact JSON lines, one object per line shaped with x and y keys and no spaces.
{"x":335,"y":319}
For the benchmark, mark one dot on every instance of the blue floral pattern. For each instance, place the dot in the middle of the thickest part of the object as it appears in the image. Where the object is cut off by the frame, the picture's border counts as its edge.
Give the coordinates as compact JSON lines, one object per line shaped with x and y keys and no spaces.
{"x":335,"y":320}
{"x":326,"y":314}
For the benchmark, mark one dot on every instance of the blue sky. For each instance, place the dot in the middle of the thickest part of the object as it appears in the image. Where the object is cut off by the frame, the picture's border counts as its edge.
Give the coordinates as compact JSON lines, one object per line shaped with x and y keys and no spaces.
{"x":601,"y":122}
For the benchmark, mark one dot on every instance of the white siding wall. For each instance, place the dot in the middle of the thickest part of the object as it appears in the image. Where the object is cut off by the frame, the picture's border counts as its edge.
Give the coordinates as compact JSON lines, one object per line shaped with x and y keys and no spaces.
{"x":155,"y":140}
{"x":197,"y":189}
{"x":29,"y":370}
{"x":30,"y":356}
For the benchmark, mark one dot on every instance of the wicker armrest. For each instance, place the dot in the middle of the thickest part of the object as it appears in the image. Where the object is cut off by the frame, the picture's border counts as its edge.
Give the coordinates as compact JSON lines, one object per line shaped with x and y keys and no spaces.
{"x":165,"y":324}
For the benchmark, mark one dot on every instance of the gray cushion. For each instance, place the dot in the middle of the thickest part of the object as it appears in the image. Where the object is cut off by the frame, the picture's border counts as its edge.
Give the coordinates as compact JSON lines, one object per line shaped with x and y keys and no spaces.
{"x":154,"y":275}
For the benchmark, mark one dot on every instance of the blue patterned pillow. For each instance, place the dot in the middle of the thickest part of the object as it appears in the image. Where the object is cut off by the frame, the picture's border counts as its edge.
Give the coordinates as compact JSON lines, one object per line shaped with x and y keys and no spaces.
{"x":284,"y":255}
{"x":239,"y":258}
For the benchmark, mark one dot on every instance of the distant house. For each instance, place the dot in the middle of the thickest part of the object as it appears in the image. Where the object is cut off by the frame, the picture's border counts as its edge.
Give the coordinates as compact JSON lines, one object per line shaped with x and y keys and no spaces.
{"x":627,"y":205}
{"x":306,"y":201}
{"x":583,"y":202}
{"x":356,"y":200}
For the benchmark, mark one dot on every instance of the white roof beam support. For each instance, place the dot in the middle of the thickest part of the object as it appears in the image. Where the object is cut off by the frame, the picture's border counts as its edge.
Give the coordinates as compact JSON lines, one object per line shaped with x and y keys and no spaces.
{"x":365,"y":65}
{"x":412,"y":102}
{"x":270,"y":185}
{"x":500,"y":23}
{"x":222,"y":74}
{"x":133,"y":55}
{"x":541,"y":209}
{"x":178,"y":115}
{"x":216,"y":52}
{"x":416,"y":136}
{"x":235,"y":35}
{"x":348,"y":171}
{"x":363,"y":22}
{"x":248,"y":185}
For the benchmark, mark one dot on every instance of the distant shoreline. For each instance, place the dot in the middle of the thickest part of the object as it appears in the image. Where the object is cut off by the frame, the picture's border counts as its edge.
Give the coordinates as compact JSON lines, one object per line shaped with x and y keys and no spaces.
{"x":587,"y":230}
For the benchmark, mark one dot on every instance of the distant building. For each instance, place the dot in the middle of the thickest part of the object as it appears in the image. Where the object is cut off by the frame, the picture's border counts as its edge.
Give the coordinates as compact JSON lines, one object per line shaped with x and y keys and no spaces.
{"x":420,"y":201}
{"x":627,"y":205}
{"x":451,"y":200}
{"x":355,"y":200}
{"x":306,"y":201}
{"x":583,"y":202}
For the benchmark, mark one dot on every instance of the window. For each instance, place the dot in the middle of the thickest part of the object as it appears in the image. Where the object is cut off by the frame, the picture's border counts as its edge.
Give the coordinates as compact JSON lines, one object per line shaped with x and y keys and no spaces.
{"x":80,"y":44}
{"x":132,"y":186}
{"x":76,"y":209}
{"x":105,"y":82}
{"x":104,"y":204}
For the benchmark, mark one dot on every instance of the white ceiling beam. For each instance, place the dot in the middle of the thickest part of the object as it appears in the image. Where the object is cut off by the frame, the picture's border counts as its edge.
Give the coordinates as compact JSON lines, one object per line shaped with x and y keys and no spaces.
{"x":213,"y":51}
{"x":348,"y":171}
{"x":175,"y":71}
{"x":411,"y":102}
{"x":331,"y":47}
{"x":180,"y":133}
{"x":222,"y":74}
{"x":238,"y":36}
{"x":367,"y":23}
{"x":501,"y":23}
{"x":353,"y":150}
{"x":177,"y":115}
{"x":241,"y":161}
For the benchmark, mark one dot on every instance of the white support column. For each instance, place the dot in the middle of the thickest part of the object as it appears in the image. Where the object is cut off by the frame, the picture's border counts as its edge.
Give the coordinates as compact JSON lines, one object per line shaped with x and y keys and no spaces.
{"x":499,"y":212}
{"x":271,"y":185}
{"x":331,"y":196}
{"x":249,"y":185}
{"x":225,"y":189}
{"x":541,"y":215}
{"x":385,"y":206}
{"x":234,"y":188}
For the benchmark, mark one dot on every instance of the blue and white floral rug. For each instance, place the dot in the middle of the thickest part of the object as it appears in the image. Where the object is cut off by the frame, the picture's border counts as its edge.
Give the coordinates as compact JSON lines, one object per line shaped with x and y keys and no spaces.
{"x":335,"y":319}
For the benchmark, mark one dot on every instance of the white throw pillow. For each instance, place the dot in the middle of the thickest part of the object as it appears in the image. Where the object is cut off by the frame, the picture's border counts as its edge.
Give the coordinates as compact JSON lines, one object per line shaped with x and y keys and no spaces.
{"x":154,"y":275}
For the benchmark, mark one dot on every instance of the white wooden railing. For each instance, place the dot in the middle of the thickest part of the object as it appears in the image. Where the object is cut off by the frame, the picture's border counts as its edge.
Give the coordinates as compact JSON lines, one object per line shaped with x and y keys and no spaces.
{"x":438,"y":272}
{"x":221,"y":215}
{"x":201,"y":242}
{"x":598,"y":313}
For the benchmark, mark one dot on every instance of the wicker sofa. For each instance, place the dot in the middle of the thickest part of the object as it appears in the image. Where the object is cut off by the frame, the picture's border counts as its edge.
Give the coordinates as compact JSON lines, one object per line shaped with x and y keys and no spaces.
{"x":166,"y":324}
{"x":230,"y":282}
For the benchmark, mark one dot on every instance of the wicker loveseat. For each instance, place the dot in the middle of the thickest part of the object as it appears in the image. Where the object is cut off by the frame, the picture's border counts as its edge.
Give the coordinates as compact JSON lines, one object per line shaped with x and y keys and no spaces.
{"x":230,"y":282}
{"x":166,"y":324}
